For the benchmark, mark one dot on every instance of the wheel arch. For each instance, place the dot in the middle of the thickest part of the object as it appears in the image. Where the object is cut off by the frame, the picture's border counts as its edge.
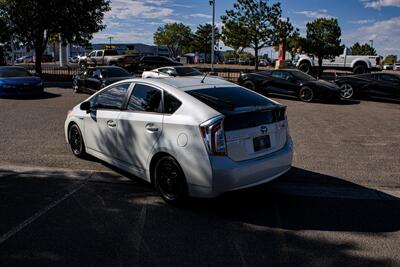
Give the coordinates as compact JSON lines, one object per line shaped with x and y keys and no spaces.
{"x":72,"y":122}
{"x":154,"y":160}
{"x":359,"y":61}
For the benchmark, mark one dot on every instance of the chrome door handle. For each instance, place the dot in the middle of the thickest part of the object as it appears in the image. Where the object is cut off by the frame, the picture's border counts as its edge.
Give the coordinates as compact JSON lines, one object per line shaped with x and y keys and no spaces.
{"x":111,"y":124}
{"x":150,"y":127}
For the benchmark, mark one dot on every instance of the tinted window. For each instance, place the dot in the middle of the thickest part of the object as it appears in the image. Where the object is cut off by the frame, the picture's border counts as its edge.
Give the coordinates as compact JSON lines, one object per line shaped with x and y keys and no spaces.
{"x":14,"y":72}
{"x":229,"y":98}
{"x":389,"y":78}
{"x":111,"y":53}
{"x":188,"y":71}
{"x":164,"y":70}
{"x":113,"y":98}
{"x":280,"y":75}
{"x":145,"y":98}
{"x":302,"y":76}
{"x":99,"y":53}
{"x":171,"y":104}
{"x":115,"y":72}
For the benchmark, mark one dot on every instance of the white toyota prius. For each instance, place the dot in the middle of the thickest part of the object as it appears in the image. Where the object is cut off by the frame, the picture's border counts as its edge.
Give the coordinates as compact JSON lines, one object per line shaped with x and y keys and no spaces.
{"x":195,"y":136}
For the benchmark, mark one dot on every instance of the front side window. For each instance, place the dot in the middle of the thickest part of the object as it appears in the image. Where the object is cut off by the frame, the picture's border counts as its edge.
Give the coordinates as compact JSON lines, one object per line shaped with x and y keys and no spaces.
{"x":113,"y":98}
{"x":389,"y":78}
{"x":145,"y":98}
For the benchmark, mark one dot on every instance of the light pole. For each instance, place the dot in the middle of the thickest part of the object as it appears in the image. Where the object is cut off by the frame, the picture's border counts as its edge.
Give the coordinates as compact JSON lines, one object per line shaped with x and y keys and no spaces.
{"x":110,"y":38}
{"x":371,"y":43}
{"x":212,"y":2}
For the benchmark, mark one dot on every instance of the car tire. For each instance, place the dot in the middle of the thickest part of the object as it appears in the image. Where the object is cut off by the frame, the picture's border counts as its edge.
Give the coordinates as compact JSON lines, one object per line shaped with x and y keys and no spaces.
{"x":360,"y":69}
{"x":250,"y":85}
{"x":346,"y":91}
{"x":76,"y":141}
{"x":170,"y":181}
{"x":306,"y":94}
{"x":75,"y":86}
{"x":83,"y":65}
{"x":305,"y":67}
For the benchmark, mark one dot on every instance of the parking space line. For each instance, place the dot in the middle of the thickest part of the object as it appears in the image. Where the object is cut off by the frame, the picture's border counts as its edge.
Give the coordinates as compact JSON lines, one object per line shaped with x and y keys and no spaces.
{"x":41,"y":212}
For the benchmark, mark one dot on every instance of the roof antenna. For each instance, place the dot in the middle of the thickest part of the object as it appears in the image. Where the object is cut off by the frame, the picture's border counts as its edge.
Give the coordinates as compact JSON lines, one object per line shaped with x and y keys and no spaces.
{"x":202,"y":80}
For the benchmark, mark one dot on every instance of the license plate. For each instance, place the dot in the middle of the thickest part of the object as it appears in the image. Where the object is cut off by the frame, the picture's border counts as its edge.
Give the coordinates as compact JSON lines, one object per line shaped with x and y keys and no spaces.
{"x":261,"y":142}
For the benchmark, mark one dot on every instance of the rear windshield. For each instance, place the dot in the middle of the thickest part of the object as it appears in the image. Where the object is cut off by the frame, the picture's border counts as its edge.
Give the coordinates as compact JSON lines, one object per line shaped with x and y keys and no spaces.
{"x":188,"y":71}
{"x":115,"y":72}
{"x":13,"y":72}
{"x":226,"y":99}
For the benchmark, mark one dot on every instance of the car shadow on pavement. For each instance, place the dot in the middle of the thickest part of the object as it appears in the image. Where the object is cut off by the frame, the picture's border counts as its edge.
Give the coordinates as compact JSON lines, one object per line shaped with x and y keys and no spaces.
{"x":331,"y":102}
{"x":44,"y":95}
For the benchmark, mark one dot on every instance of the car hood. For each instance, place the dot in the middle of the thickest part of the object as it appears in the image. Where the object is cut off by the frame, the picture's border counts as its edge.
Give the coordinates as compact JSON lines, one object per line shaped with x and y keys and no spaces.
{"x":20,"y":80}
{"x":325,"y":84}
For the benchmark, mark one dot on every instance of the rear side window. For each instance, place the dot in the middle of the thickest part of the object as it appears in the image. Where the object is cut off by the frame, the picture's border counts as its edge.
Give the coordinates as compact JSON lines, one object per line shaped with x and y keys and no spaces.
{"x":145,"y":98}
{"x":171,"y":104}
{"x":225,"y":99}
{"x":113,"y":98}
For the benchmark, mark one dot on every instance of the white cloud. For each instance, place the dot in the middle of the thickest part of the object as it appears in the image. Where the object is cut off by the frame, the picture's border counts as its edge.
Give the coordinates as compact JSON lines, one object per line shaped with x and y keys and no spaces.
{"x":377,"y":4}
{"x":136,"y":36}
{"x":200,"y":15}
{"x":363,"y":21}
{"x":385,"y":33}
{"x":124,"y":9}
{"x":316,"y":14}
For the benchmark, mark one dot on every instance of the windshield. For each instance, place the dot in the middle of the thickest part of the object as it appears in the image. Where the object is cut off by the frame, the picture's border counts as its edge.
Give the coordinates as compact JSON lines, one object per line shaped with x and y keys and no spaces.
{"x":302,"y":76}
{"x":115,"y":72}
{"x":13,"y":72}
{"x":230,"y":98}
{"x":188,"y":71}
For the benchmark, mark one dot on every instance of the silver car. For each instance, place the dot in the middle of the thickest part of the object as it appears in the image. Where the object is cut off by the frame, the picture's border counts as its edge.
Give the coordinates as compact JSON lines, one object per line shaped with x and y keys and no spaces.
{"x":195,"y":136}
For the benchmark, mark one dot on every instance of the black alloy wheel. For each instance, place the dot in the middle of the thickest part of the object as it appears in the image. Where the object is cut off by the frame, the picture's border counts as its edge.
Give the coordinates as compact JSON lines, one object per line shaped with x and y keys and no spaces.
{"x":76,"y":141}
{"x":170,"y":181}
{"x":306,"y":94}
{"x":250,"y":85}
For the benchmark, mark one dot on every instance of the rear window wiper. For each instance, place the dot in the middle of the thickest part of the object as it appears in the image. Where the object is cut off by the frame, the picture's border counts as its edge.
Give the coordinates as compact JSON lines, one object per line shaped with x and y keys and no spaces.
{"x":215,"y":100}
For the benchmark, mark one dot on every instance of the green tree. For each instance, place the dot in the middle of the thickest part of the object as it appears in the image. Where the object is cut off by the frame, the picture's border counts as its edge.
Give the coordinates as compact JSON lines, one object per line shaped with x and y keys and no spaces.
{"x":176,"y":36}
{"x":203,"y":38}
{"x":256,"y":20}
{"x":75,"y":20}
{"x":390,"y":59}
{"x":5,"y":33}
{"x":323,"y":39}
{"x":363,"y":50}
{"x":234,"y":36}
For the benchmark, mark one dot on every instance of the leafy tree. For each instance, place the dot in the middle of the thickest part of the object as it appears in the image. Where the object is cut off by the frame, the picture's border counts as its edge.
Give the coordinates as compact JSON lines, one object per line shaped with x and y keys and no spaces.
{"x":75,"y":20}
{"x":363,"y":50}
{"x":176,"y":36}
{"x":5,"y":33}
{"x":231,"y":54}
{"x":323,"y":39}
{"x":255,"y":20}
{"x":390,"y":59}
{"x":203,"y":38}
{"x":234,"y":36}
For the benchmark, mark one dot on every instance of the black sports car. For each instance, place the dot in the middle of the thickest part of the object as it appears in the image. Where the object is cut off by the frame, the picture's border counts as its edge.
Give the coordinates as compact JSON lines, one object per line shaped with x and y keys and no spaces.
{"x":384,"y":85}
{"x":290,"y":82}
{"x":94,"y":79}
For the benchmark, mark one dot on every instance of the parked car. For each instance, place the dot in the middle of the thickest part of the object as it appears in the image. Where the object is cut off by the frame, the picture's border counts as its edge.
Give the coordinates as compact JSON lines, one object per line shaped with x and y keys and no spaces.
{"x":384,"y":85}
{"x":187,"y":136}
{"x":24,"y":59}
{"x":74,"y":59}
{"x":154,"y":62}
{"x":231,"y":61}
{"x":346,"y":61}
{"x":93,"y":79}
{"x":175,"y":71}
{"x":17,"y":81}
{"x":396,"y":66}
{"x":290,"y":82}
{"x":388,"y":66}
{"x":107,"y":57}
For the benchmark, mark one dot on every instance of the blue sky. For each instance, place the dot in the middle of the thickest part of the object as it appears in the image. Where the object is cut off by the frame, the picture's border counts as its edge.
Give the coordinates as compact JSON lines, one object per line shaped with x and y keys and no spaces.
{"x":135,"y":21}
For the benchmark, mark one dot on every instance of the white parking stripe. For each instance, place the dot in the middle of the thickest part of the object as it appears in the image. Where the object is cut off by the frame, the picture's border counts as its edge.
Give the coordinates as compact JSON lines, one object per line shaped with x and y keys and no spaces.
{"x":41,"y":212}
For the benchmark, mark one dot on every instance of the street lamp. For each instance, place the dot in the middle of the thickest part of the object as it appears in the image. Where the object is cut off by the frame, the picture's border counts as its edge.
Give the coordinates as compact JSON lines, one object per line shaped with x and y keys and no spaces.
{"x":371,"y":43}
{"x":110,"y":38}
{"x":212,"y":3}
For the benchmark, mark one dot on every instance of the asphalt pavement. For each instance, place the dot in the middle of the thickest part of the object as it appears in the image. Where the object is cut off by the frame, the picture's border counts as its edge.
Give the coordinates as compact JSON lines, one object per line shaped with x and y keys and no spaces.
{"x":338,"y":206}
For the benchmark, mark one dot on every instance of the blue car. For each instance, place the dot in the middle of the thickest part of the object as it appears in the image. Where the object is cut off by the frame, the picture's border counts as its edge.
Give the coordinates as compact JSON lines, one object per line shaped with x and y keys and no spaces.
{"x":17,"y":81}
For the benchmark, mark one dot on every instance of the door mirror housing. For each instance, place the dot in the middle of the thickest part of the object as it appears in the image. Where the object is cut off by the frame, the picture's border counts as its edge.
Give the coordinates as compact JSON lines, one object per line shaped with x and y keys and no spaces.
{"x":85,"y":106}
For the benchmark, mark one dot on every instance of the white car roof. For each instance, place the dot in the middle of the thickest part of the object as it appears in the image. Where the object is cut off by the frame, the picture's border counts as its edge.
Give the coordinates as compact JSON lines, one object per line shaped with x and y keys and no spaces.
{"x":185,"y":83}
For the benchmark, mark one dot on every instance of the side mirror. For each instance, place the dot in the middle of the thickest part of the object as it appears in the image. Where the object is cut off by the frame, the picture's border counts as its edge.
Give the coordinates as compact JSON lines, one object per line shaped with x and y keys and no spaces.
{"x":171,"y":73}
{"x":85,"y":106}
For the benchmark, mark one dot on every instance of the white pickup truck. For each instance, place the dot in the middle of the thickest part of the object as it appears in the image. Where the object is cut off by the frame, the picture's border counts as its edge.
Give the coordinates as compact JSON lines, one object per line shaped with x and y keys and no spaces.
{"x":346,"y":61}
{"x":107,"y":57}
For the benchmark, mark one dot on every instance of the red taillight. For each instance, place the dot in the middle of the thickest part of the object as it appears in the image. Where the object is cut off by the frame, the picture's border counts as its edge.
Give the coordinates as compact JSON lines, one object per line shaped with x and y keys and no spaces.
{"x":213,"y":135}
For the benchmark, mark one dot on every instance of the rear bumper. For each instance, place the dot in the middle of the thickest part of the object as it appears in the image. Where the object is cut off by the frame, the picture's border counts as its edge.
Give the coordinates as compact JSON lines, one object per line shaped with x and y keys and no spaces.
{"x":229,"y":175}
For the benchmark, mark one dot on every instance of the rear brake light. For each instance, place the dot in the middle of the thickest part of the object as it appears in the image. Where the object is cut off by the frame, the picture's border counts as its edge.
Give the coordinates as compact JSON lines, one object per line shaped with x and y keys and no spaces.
{"x":213,"y":135}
